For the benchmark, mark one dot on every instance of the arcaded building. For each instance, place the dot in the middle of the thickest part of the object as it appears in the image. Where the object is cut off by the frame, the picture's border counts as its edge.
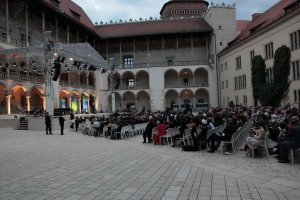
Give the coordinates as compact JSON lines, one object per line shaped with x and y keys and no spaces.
{"x":193,"y":52}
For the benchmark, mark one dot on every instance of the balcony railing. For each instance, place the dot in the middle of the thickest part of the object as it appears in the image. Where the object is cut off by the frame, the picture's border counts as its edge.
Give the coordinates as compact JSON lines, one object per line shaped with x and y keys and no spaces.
{"x":21,"y":77}
{"x":134,"y":87}
{"x":186,"y":85}
{"x":163,"y":64}
{"x":76,"y":85}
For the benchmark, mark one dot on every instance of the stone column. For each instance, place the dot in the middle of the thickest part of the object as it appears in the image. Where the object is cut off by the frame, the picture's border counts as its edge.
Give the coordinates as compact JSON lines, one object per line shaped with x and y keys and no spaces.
{"x":70,"y":101}
{"x":8,"y":104}
{"x":28,"y":102}
{"x":79,"y":105}
{"x":88,"y":101}
{"x":68,"y":34}
{"x":44,"y":102}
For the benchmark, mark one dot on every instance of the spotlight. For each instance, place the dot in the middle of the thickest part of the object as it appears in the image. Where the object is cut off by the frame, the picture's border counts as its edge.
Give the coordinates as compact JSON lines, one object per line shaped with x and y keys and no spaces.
{"x":33,"y":62}
{"x":55,"y":54}
{"x":40,"y":72}
{"x":70,"y":59}
{"x":14,"y":64}
{"x":68,"y":70}
{"x":0,"y":65}
{"x":34,"y":69}
{"x":25,"y":70}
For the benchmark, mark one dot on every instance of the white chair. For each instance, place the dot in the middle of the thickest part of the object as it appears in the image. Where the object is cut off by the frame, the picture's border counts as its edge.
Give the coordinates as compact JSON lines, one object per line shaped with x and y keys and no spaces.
{"x":168,"y":136}
{"x":187,"y":137}
{"x":264,"y":145}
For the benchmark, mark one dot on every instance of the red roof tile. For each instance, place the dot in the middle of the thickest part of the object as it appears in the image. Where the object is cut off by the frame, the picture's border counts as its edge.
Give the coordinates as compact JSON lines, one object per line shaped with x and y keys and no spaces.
{"x":241,"y":24}
{"x":153,"y":28}
{"x":69,"y":7}
{"x":262,"y":20}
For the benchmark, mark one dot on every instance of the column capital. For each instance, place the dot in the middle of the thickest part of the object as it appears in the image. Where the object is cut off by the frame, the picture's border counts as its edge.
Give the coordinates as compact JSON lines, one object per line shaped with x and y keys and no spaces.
{"x":8,"y":96}
{"x":28,"y":97}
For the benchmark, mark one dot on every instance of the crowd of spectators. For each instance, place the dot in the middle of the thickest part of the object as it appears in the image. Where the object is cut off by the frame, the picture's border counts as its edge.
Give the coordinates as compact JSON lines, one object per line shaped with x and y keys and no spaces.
{"x":280,"y":124}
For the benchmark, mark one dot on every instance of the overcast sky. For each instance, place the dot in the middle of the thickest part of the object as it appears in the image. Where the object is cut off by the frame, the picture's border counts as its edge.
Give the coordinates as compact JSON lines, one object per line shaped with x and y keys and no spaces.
{"x":106,"y":10}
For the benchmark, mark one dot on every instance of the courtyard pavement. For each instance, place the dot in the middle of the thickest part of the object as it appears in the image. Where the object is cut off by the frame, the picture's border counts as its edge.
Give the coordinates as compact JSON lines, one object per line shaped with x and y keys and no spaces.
{"x":37,"y":166}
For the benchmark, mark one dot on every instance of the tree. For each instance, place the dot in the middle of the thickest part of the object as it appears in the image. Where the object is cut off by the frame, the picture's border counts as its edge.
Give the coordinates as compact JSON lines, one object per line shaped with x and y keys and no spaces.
{"x":281,"y":72}
{"x":258,"y":74}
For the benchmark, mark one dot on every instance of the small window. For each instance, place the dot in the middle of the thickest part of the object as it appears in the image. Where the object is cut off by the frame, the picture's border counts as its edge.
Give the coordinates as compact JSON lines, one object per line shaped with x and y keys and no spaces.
{"x":252,"y":54}
{"x":238,"y":61}
{"x":269,"y":50}
{"x":130,"y":82}
{"x":170,"y":62}
{"x":128,"y":61}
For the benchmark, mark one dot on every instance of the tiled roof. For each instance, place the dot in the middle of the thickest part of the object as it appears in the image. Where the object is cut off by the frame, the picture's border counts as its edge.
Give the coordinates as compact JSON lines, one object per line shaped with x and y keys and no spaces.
{"x":241,"y":24}
{"x":70,"y":8}
{"x":262,"y":20}
{"x":157,"y":27}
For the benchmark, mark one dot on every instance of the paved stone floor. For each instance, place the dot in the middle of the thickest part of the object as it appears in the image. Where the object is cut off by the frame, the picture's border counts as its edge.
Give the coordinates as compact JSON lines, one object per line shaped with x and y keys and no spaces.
{"x":74,"y":166}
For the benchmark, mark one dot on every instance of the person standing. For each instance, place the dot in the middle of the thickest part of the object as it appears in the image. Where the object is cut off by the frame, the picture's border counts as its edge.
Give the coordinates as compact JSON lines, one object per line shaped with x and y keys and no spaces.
{"x":61,"y":123}
{"x":48,"y":124}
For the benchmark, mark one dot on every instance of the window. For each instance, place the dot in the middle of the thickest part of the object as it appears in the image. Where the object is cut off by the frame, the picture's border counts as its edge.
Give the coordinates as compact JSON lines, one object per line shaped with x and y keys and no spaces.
{"x":128,"y":61}
{"x":245,"y":99}
{"x":238,"y":62}
{"x":295,"y":40}
{"x":130,"y":82}
{"x":237,"y":100}
{"x":226,"y":83}
{"x":225,"y":66}
{"x":295,"y":70}
{"x":297,"y":96}
{"x":220,"y":27}
{"x":269,"y":50}
{"x":252,"y":54}
{"x":221,"y":43}
{"x":240,"y":82}
{"x":170,"y":62}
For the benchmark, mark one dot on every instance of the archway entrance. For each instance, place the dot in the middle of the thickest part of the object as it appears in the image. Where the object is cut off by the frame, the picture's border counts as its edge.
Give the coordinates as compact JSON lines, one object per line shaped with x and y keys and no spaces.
{"x":18,"y":99}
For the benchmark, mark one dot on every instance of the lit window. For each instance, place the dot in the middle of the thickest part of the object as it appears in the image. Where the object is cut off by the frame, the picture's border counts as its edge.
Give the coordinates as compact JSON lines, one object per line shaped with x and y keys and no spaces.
{"x":128,"y":61}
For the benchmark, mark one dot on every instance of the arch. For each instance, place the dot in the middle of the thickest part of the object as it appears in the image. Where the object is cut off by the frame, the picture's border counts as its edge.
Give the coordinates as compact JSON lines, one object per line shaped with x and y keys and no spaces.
{"x":20,"y":85}
{"x":202,"y":98}
{"x":128,"y":100}
{"x":143,"y":101}
{"x":201,"y":77}
{"x":116,"y":78}
{"x":64,"y":95}
{"x":36,"y":97}
{"x":3,"y":93}
{"x":18,"y":98}
{"x":142,"y":79}
{"x":172,"y":100}
{"x":186,"y":76}
{"x":171,"y":78}
{"x":128,"y":79}
{"x":74,"y":77}
{"x":38,"y":87}
{"x":92,"y":103}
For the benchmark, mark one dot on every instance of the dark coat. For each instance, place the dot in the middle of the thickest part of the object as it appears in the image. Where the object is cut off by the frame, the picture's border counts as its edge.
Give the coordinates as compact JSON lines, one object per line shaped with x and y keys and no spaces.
{"x":61,"y":120}
{"x":294,"y":134}
{"x":47,"y":120}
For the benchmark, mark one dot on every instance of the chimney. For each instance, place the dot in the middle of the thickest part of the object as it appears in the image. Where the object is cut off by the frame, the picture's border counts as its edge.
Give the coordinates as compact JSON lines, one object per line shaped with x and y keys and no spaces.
{"x":255,"y":15}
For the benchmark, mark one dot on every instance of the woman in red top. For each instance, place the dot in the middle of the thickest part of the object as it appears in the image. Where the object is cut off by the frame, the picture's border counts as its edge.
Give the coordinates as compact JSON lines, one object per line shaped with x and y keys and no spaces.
{"x":161,"y":130}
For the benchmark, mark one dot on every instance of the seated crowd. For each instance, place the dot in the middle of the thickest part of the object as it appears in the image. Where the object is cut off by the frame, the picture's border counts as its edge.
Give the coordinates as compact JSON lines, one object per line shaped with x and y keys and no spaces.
{"x":246,"y":128}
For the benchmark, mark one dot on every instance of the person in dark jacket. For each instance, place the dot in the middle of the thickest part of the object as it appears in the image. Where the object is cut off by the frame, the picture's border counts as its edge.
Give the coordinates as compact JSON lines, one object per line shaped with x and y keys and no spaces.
{"x":292,"y":140}
{"x":48,"y":124}
{"x":148,"y":131}
{"x":61,"y":123}
{"x":224,"y":136}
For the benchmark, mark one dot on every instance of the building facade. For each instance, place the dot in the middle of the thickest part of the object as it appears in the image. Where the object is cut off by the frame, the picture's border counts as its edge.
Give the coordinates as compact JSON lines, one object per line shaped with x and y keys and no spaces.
{"x":277,"y":26}
{"x":155,"y":64}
